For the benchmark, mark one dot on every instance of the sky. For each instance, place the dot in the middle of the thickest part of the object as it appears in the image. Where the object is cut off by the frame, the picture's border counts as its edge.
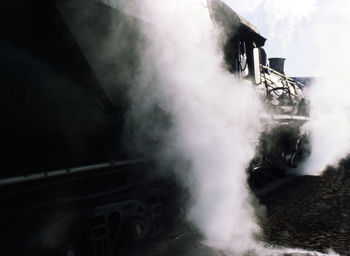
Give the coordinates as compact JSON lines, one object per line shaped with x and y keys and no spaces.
{"x":302,"y":31}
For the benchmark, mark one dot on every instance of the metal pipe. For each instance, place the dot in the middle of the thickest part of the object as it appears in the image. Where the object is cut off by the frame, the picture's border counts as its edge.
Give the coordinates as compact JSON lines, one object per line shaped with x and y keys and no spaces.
{"x":68,"y":171}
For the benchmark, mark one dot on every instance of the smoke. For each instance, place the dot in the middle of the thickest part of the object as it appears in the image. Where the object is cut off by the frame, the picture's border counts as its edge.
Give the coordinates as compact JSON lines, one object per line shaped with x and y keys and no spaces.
{"x":211,"y":120}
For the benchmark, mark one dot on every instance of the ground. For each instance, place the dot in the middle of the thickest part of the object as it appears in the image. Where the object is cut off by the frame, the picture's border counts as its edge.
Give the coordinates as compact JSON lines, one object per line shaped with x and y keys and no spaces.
{"x":309,"y":212}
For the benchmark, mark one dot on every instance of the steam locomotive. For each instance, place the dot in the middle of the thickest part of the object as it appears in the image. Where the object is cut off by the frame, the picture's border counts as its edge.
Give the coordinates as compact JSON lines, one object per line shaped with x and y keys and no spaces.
{"x":70,"y":183}
{"x":282,"y":144}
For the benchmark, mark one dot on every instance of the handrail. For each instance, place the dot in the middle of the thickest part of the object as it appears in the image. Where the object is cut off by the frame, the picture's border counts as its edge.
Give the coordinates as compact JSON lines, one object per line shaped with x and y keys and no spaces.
{"x":282,"y":75}
{"x":67,"y":171}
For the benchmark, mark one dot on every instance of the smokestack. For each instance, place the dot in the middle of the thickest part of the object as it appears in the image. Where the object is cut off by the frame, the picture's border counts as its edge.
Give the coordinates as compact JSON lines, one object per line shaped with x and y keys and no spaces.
{"x":277,"y":64}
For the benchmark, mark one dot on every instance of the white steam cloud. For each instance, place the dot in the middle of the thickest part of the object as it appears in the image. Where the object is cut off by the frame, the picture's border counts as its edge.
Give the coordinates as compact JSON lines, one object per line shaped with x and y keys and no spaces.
{"x":328,"y":41}
{"x":214,"y":121}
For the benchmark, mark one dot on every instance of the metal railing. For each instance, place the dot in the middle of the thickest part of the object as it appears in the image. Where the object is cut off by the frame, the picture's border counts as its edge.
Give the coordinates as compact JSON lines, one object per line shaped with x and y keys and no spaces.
{"x":283,"y":85}
{"x":290,"y":80}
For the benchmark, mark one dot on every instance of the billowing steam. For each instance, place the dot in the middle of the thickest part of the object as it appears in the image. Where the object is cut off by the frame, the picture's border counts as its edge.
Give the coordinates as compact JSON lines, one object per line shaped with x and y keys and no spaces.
{"x":329,"y":127}
{"x":329,"y":95}
{"x":213,"y":120}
